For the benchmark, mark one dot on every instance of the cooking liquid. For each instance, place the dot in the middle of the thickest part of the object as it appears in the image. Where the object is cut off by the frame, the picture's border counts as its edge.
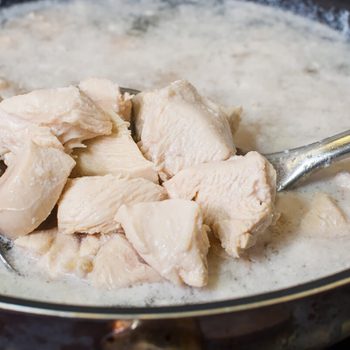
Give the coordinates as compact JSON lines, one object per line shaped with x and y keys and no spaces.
{"x":291,"y":76}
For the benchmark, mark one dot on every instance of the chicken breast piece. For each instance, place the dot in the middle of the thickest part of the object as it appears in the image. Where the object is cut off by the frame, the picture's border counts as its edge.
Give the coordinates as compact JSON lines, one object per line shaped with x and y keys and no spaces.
{"x":38,"y":242}
{"x":107,"y":96}
{"x":117,"y":265}
{"x":177,"y":128}
{"x":107,"y":261}
{"x":324,"y":219}
{"x":170,"y":237}
{"x":36,"y":171}
{"x":15,"y":132}
{"x":236,"y":196}
{"x":69,"y":113}
{"x":60,"y":254}
{"x":63,"y":258}
{"x":115,"y":154}
{"x":89,"y":204}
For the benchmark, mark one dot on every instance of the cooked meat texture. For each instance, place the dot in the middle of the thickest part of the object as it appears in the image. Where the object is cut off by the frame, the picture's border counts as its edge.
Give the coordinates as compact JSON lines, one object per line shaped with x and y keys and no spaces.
{"x":170,"y":237}
{"x":107,"y":96}
{"x":117,"y":265}
{"x":37,"y":170}
{"x":115,"y":154}
{"x":69,"y":113}
{"x":324,"y":218}
{"x":30,"y":188}
{"x":14,"y":132}
{"x":89,"y":204}
{"x":66,"y":257}
{"x":60,"y":254}
{"x":177,"y":128}
{"x":38,"y":242}
{"x":108,"y":262}
{"x":236,"y":196}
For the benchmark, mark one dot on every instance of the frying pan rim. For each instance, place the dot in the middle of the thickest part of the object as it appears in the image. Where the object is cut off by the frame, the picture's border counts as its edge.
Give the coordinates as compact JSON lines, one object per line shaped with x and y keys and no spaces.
{"x":285,"y":295}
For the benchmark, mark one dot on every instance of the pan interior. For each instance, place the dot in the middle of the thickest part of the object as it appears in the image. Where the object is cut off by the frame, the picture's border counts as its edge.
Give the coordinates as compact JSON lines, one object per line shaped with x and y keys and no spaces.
{"x":289,"y":73}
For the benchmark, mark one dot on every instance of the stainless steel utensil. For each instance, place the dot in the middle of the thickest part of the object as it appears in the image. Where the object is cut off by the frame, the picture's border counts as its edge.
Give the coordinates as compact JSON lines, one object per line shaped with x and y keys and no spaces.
{"x":296,"y":164}
{"x":3,"y":258}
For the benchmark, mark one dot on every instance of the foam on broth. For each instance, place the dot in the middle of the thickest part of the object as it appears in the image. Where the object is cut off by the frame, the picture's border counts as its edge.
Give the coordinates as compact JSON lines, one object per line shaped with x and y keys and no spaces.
{"x":291,"y":76}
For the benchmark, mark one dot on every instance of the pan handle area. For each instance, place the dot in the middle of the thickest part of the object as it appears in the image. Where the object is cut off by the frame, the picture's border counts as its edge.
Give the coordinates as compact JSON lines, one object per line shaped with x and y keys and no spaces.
{"x":158,"y":334}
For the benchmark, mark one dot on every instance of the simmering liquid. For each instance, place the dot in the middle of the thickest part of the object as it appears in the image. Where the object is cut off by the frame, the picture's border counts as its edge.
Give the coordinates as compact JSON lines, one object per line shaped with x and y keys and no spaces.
{"x":291,"y":76}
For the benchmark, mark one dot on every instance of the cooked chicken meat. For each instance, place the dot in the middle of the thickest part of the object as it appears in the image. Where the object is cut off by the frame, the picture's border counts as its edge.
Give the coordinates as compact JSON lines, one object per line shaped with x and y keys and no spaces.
{"x":177,"y":128}
{"x":37,"y":170}
{"x":70,"y":254}
{"x":38,"y":242}
{"x":118,"y":265}
{"x":115,"y":154}
{"x":60,"y":254}
{"x":89,"y":204}
{"x":108,"y":262}
{"x":115,"y":189}
{"x":170,"y":237}
{"x":69,"y":113}
{"x":236,"y":196}
{"x":324,"y":218}
{"x":107,"y":96}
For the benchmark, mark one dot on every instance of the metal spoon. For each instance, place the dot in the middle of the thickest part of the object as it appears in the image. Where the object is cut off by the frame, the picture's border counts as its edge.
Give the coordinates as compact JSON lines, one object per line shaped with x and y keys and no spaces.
{"x":3,"y":258}
{"x":296,"y":164}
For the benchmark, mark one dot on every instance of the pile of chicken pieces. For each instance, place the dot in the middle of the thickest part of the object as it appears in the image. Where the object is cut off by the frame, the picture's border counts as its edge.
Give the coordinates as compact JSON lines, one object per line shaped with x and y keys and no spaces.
{"x":135,"y":209}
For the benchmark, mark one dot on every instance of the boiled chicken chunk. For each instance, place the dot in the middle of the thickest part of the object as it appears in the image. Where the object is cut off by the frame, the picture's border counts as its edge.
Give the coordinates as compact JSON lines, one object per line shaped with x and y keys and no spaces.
{"x":108,"y":262}
{"x":117,"y":265}
{"x":59,"y":254}
{"x":37,"y":170}
{"x":324,"y":218}
{"x":170,"y":237}
{"x":70,"y":254}
{"x":115,"y":154}
{"x":68,"y":112}
{"x":236,"y":196}
{"x":38,"y":242}
{"x":107,"y":96}
{"x":14,"y":132}
{"x":89,"y":204}
{"x":177,"y":128}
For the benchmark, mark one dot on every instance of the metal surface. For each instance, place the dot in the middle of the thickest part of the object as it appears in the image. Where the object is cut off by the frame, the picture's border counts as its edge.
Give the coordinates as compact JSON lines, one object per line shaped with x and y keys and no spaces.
{"x":296,"y":164}
{"x":310,"y":323}
{"x":3,"y":258}
{"x":257,"y":301}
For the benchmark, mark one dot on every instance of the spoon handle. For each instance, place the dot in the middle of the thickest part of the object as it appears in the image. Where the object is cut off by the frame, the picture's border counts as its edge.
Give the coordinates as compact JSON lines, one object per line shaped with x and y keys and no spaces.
{"x":295,"y":164}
